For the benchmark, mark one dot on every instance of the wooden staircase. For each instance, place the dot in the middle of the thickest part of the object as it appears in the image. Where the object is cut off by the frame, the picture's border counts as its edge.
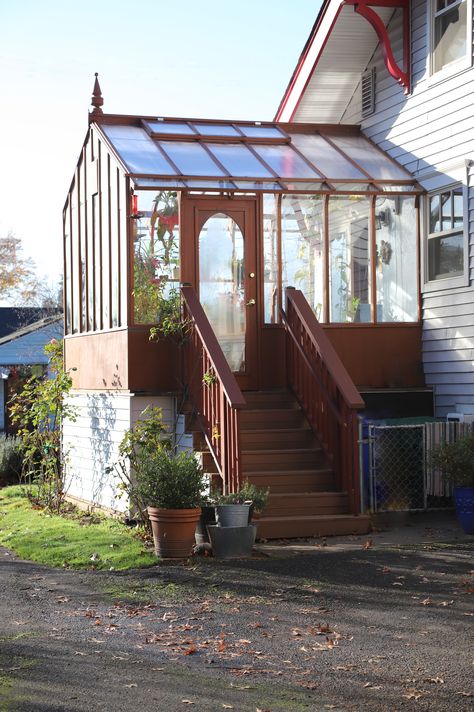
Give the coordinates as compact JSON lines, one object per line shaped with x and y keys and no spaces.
{"x":280,"y":451}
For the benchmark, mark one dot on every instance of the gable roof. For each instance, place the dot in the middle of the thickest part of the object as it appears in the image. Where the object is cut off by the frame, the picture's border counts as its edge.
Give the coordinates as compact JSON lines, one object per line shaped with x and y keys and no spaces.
{"x":338,"y":50}
{"x":26,"y":345}
{"x":14,"y":318}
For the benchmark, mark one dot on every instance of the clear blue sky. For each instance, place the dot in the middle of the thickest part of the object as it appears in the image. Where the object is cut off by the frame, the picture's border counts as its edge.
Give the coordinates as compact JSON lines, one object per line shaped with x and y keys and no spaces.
{"x":210,"y":59}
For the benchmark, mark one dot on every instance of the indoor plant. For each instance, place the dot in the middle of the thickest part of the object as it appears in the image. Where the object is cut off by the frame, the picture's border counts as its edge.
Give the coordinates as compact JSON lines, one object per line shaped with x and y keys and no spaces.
{"x":456,"y":460}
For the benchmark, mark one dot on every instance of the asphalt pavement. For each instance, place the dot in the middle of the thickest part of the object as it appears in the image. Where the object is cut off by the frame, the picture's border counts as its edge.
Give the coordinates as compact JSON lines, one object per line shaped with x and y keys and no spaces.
{"x":383,"y":622}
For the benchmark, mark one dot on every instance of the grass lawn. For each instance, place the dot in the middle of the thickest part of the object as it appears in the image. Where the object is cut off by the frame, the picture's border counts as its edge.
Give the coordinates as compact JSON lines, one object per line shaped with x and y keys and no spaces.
{"x":72,"y":542}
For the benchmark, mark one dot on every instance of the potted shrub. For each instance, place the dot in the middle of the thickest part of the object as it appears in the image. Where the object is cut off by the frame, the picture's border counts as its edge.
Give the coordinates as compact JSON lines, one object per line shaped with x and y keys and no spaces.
{"x":456,"y":460}
{"x":163,"y":487}
{"x":236,"y":508}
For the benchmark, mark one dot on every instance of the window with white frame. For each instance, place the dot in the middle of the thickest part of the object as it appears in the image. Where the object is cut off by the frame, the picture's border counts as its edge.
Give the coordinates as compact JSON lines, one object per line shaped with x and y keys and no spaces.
{"x":446,"y":244}
{"x":449,"y":34}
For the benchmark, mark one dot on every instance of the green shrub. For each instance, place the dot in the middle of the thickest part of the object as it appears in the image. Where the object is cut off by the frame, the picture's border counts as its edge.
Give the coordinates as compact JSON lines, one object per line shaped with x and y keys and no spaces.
{"x":456,"y":460}
{"x":10,"y":460}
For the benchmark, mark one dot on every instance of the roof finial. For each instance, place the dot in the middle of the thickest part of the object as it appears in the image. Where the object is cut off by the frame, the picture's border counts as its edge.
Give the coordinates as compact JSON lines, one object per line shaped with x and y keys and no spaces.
{"x":97,"y":100}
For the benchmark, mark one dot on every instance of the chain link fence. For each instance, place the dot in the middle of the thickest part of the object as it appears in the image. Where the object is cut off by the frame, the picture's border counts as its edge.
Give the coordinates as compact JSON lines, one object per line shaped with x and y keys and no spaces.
{"x":396,"y":473}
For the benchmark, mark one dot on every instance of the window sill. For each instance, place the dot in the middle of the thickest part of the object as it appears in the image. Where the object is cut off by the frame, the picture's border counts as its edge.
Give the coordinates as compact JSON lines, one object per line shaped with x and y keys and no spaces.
{"x":449,"y":71}
{"x":441,"y":285}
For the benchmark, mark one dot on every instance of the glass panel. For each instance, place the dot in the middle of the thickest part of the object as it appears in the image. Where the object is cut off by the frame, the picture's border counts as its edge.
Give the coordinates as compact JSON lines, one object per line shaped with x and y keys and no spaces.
{"x":216,"y":130}
{"x":434,"y":214}
{"x":165,"y":127}
{"x":450,"y":36}
{"x":220,"y":184}
{"x":349,"y":259}
{"x":270,"y":259}
{"x":90,"y":266}
{"x":191,"y":158}
{"x":446,"y":256}
{"x":158,"y":183}
{"x":325,"y":158}
{"x":75,"y":269}
{"x":261,"y":131}
{"x":302,"y":237}
{"x":221,"y":285}
{"x":285,"y":162}
{"x":114,"y":250}
{"x":239,"y":160}
{"x":370,"y":158}
{"x":354,"y":188}
{"x":397,"y":290}
{"x":401,"y":188}
{"x":156,"y":257}
{"x":254,"y":185}
{"x":97,"y":261}
{"x":67,"y":274}
{"x":458,"y":208}
{"x":83,"y":248}
{"x":138,"y":150}
{"x":313,"y":187}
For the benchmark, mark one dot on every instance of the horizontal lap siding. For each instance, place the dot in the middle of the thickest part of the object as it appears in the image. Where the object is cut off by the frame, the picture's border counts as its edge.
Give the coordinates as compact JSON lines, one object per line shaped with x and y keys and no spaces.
{"x":435,"y":124}
{"x":91,"y":442}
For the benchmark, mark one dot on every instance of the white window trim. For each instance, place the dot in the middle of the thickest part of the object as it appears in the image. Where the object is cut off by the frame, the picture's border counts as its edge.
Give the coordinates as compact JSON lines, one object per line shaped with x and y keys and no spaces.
{"x":439,"y":285}
{"x":457,"y":66}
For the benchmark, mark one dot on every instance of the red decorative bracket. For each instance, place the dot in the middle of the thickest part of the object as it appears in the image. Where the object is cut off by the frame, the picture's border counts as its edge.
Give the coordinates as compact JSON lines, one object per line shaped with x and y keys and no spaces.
{"x":364,"y":8}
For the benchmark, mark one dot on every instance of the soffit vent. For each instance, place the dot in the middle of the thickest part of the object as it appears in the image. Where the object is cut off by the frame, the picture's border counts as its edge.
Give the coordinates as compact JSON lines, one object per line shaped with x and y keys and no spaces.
{"x":368,"y":92}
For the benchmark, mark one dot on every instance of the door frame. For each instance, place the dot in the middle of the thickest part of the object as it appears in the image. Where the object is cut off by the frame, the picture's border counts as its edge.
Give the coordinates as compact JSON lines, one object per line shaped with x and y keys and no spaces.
{"x":195,"y":210}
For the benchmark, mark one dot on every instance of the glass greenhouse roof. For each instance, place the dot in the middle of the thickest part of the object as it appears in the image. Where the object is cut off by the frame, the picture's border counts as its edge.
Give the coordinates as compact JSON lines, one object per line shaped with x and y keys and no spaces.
{"x":246,"y":156}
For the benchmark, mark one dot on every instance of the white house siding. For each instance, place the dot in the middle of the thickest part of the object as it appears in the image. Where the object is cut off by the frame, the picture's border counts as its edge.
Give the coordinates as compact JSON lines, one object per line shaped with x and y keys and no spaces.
{"x":91,"y":442}
{"x":431,"y":133}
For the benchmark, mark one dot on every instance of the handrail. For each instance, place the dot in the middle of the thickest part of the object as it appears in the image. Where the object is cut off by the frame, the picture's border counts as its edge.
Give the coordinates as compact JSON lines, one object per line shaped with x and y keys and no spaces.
{"x":325,"y":391}
{"x":213,"y":391}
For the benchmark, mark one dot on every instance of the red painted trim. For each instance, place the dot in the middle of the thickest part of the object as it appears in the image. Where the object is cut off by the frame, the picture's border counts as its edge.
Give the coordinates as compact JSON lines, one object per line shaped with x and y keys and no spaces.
{"x":402,"y":77}
{"x":302,"y":61}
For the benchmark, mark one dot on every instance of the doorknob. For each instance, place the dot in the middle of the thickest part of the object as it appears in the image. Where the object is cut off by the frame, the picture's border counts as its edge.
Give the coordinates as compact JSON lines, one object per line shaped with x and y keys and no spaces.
{"x":250,"y":303}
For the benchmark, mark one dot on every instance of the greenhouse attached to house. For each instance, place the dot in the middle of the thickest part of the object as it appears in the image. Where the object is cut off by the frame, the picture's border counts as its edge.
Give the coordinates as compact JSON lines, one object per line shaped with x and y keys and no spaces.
{"x":278,"y":267}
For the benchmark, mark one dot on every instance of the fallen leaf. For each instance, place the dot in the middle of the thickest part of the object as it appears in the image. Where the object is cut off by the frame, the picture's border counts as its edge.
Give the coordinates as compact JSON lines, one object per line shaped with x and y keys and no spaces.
{"x":132,"y":684}
{"x":437,"y":680}
{"x":227,"y":707}
{"x":413,"y":694}
{"x":426,"y":602}
{"x":368,"y":544}
{"x":188,"y":702}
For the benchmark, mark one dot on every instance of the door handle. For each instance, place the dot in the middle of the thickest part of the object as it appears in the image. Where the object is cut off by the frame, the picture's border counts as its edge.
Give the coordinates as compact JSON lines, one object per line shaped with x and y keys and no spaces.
{"x":250,"y":303}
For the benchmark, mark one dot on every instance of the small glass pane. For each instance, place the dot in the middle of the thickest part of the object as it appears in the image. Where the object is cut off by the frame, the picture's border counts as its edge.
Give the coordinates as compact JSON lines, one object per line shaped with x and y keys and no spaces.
{"x":261,"y":131}
{"x":255,"y":185}
{"x":239,"y":160}
{"x":434,"y":214}
{"x":396,"y":259}
{"x":458,"y":208}
{"x":156,"y":257}
{"x":191,"y":158}
{"x":165,"y":127}
{"x":205,"y":184}
{"x":302,"y":238}
{"x":285,"y":162}
{"x":349,"y":251}
{"x":325,"y":158}
{"x":297,"y":187}
{"x":157,"y":183}
{"x":446,"y":256}
{"x":450,"y":36}
{"x":221,"y":285}
{"x":370,"y":158}
{"x":446,"y":207}
{"x":270,"y":259}
{"x":216,"y":130}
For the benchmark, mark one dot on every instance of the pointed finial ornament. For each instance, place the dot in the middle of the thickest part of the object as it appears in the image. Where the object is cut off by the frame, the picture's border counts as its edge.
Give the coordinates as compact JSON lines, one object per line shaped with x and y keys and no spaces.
{"x":97,"y":100}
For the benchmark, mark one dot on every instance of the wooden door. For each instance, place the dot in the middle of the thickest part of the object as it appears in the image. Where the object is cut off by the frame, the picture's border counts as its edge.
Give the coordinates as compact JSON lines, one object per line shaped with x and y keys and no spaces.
{"x":221,"y":265}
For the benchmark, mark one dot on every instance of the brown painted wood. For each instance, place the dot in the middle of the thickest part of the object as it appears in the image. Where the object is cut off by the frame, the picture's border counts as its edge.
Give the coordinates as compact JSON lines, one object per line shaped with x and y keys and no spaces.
{"x":380,"y":356}
{"x":195,"y":210}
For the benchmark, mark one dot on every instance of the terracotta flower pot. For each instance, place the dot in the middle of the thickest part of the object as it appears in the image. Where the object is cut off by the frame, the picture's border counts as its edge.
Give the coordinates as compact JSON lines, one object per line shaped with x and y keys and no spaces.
{"x":173,"y":531}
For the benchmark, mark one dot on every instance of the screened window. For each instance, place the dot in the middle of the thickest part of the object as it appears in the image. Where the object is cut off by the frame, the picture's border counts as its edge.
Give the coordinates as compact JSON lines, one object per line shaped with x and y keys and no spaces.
{"x":449,"y":32}
{"x":446,"y":234}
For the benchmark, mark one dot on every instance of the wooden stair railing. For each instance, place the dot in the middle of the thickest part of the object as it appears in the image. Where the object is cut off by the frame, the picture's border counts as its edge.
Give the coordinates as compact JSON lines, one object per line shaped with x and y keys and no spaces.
{"x":213,"y":392}
{"x":325,"y":391}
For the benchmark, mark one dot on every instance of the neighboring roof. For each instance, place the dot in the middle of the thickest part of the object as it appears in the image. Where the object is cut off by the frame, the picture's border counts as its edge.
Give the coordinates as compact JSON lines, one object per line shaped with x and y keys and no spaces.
{"x":14,"y":318}
{"x":26,"y":345}
{"x":338,"y":50}
{"x":244,"y":156}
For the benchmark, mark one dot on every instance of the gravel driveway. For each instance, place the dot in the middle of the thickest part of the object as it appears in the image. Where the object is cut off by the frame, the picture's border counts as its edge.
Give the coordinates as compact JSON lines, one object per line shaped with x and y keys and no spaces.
{"x":384,"y":622}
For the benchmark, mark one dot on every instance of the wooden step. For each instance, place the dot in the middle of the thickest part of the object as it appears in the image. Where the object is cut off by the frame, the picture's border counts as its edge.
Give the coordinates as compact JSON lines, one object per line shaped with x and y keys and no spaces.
{"x":311,"y":526}
{"x":278,"y":438}
{"x":293,"y":481}
{"x":270,"y":399}
{"x":294,"y":459}
{"x":271,"y":418}
{"x":306,"y":504}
